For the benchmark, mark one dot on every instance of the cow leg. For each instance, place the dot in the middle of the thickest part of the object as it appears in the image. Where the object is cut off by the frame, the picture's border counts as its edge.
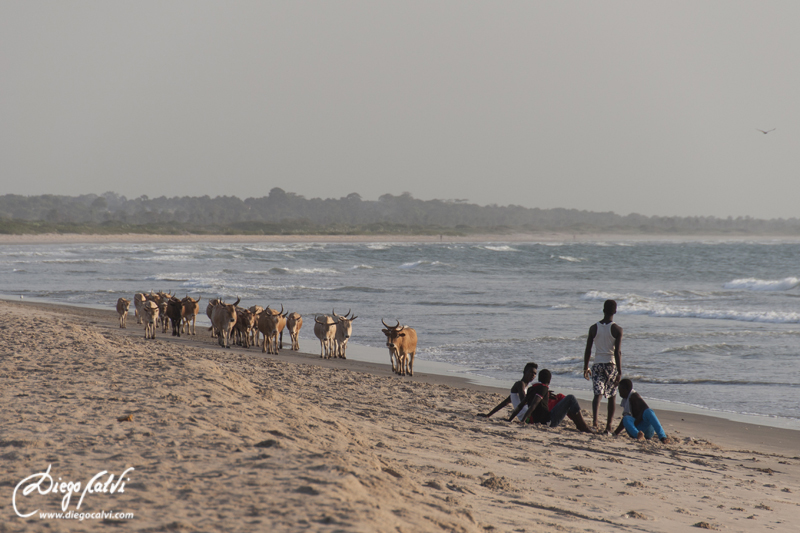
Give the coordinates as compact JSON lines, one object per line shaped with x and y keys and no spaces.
{"x":281,"y":340}
{"x":411,"y":363}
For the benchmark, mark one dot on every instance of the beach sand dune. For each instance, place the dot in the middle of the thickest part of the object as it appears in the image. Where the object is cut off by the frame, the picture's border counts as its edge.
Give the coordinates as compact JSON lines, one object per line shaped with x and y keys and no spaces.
{"x":232,"y":440}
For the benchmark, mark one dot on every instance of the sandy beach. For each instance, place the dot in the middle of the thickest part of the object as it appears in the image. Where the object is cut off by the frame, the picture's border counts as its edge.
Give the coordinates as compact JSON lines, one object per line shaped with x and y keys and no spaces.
{"x":233,"y":440}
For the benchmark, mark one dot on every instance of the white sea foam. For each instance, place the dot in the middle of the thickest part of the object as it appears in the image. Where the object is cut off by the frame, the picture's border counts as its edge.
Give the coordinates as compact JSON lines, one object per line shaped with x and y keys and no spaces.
{"x":660,"y":310}
{"x":568,"y":258}
{"x":500,"y":248}
{"x":281,"y":270}
{"x":422,"y":262}
{"x":754,"y":284}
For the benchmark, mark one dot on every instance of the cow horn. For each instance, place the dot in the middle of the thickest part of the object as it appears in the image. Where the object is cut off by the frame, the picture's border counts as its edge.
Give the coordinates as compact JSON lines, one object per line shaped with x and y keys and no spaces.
{"x":316,"y":319}
{"x":353,"y":318}
{"x":334,"y":313}
{"x":348,"y":312}
{"x":385,"y":324}
{"x":401,"y":327}
{"x":239,"y":300}
{"x":281,"y":310}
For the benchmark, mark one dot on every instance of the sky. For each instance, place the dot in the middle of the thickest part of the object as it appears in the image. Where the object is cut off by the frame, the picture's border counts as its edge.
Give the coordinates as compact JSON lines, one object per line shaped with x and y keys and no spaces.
{"x":625,"y":106}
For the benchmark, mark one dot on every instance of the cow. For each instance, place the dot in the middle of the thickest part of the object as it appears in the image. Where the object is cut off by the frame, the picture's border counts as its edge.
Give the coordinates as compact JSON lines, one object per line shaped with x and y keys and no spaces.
{"x":344,"y":328}
{"x":293,"y":323}
{"x":138,"y":301}
{"x":325,"y":330}
{"x":150,"y":318}
{"x":268,"y":323}
{"x":209,"y":309}
{"x":189,"y":310}
{"x":174,"y":312}
{"x":161,"y":299}
{"x":245,"y":322}
{"x":256,"y":310}
{"x":223,"y":319}
{"x":402,"y":344}
{"x":122,"y":310}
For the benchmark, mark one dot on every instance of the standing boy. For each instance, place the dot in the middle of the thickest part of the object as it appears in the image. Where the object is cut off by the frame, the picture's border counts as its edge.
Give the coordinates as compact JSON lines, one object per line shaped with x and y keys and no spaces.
{"x":638,"y":419}
{"x":607,"y":368}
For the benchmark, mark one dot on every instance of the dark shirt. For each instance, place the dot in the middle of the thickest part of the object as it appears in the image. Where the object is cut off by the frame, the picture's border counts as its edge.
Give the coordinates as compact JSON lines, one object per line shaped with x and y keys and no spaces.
{"x":541,"y":415}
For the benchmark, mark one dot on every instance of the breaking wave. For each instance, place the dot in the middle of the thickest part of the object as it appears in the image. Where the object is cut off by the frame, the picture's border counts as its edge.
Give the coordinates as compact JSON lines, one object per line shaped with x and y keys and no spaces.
{"x":753,"y":284}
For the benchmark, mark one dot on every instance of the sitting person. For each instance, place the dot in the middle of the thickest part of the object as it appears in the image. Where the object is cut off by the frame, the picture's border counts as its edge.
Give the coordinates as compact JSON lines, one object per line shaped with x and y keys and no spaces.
{"x":518,"y":391}
{"x":637,"y":418}
{"x":542,"y":407}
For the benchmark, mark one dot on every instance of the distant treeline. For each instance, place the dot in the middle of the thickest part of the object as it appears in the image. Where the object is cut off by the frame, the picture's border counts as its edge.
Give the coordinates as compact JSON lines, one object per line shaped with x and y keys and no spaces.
{"x":288,"y":213}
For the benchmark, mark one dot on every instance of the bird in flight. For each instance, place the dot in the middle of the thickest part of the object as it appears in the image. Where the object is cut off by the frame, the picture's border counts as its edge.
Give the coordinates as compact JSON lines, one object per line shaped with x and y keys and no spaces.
{"x":765,"y":132}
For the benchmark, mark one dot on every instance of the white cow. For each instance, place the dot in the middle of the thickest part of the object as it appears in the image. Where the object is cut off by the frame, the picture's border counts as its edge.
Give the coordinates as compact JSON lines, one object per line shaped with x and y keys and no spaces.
{"x":344,"y":328}
{"x":150,"y":318}
{"x":325,"y":330}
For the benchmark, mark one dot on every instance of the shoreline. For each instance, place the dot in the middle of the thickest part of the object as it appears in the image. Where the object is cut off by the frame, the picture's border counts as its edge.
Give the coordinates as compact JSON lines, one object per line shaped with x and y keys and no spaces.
{"x":235,"y":440}
{"x":363,"y":359}
{"x":544,"y":237}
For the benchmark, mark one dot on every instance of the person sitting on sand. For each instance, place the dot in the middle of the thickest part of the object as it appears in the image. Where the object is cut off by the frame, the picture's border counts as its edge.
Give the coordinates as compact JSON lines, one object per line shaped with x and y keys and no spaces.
{"x":518,"y":392}
{"x":539,"y":411}
{"x":638,"y":419}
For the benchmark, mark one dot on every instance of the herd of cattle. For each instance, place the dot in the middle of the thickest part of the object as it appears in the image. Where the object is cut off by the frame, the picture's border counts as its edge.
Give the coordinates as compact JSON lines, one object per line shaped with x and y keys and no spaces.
{"x":244,"y":327}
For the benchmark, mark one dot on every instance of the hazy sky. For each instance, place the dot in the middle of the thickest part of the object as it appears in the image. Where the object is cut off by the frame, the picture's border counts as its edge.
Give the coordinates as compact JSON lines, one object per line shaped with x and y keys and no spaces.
{"x":646,"y":107}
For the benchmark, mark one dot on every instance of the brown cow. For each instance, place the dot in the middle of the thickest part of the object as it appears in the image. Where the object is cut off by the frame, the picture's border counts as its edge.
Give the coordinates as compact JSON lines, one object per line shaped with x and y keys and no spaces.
{"x":209,"y":310}
{"x":122,"y":310}
{"x":293,"y":323}
{"x":223,"y":318}
{"x":268,"y":323}
{"x":189,"y":310}
{"x":256,"y":310}
{"x":150,"y":318}
{"x":402,"y":344}
{"x":245,"y":322}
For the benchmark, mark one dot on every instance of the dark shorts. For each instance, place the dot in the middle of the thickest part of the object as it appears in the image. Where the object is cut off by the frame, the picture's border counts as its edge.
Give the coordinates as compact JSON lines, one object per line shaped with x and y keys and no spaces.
{"x":604,"y":377}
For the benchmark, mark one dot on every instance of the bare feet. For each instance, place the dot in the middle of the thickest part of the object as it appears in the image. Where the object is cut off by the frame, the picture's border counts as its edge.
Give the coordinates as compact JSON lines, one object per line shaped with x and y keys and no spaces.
{"x":640,"y":437}
{"x":665,"y":440}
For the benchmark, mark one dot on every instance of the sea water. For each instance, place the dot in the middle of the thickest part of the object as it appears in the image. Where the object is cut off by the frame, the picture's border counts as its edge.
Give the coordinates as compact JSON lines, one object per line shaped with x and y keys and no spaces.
{"x":714,"y":325}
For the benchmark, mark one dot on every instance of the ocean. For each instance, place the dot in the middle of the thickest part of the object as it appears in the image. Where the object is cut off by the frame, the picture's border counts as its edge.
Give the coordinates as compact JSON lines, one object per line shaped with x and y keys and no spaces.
{"x":708,"y":325}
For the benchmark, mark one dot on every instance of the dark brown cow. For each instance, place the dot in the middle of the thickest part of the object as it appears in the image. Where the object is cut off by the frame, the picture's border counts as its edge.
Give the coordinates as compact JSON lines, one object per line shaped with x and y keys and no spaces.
{"x":174,"y":312}
{"x":245,"y":322}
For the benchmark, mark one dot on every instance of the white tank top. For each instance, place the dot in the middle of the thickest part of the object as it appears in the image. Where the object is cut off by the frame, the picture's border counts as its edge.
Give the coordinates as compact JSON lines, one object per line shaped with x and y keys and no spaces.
{"x":604,"y":344}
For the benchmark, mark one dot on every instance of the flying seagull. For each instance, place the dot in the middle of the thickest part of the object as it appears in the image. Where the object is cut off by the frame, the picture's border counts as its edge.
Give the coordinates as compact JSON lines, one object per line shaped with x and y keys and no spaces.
{"x":765,"y":132}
